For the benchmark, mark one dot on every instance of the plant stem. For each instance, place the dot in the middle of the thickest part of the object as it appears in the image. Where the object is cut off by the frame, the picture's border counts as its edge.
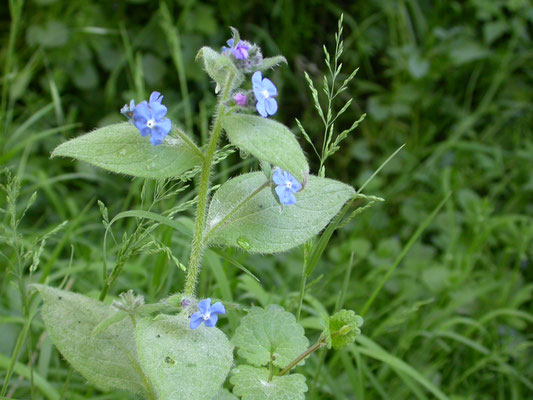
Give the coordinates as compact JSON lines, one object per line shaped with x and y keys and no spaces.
{"x":321,"y":342}
{"x":198,"y":244}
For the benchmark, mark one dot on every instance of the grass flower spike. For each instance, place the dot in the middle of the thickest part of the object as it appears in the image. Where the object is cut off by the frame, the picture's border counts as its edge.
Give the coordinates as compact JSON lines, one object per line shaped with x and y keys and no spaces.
{"x":149,"y":119}
{"x":264,"y":91}
{"x":286,"y":186}
{"x":208,"y":314}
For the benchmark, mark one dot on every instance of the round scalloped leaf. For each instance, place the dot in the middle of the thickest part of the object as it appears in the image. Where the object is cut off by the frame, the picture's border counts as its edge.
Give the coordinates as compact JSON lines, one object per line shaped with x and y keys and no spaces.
{"x":107,"y":359}
{"x":224,"y":394}
{"x":271,"y":332}
{"x":183,"y":364}
{"x":258,"y":225}
{"x":267,"y":140}
{"x":252,"y":384}
{"x":120,"y":148}
{"x":343,"y":327}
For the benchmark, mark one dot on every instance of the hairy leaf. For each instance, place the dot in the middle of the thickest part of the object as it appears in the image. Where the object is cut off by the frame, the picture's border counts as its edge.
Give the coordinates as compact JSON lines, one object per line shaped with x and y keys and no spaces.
{"x":224,"y":394}
{"x":243,"y":215}
{"x":252,"y":384}
{"x":183,"y":364}
{"x":342,"y":328}
{"x":267,"y":140}
{"x":120,"y":148}
{"x":107,"y":359}
{"x":219,"y":67}
{"x":270,"y":334}
{"x":270,"y":62}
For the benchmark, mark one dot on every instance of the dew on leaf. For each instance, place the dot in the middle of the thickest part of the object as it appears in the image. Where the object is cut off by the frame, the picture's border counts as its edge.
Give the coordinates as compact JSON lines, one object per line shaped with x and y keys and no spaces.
{"x":243,"y":243}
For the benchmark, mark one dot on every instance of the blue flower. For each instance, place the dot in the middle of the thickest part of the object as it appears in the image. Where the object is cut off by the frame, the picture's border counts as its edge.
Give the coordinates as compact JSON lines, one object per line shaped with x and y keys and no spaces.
{"x":149,"y":119}
{"x":264,"y":90}
{"x":208,"y":314}
{"x":239,"y":51}
{"x":127,"y":110}
{"x":287,"y":185}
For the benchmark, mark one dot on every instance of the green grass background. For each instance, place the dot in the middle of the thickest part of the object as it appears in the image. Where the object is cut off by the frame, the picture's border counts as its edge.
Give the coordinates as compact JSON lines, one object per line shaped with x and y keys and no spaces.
{"x":453,"y":80}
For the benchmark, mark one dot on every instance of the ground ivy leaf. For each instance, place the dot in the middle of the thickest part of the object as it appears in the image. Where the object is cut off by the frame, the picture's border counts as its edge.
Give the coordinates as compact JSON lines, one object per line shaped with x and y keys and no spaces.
{"x":342,"y":328}
{"x":107,"y":359}
{"x":120,"y":148}
{"x":270,"y":333}
{"x":183,"y":364}
{"x":252,"y":384}
{"x":267,"y":140}
{"x":258,"y":225}
{"x":224,"y":394}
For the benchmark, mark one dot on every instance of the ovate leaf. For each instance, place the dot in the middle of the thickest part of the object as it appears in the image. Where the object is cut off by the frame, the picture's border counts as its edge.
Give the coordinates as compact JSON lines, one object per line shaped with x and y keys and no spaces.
{"x":267,"y":140}
{"x":256,"y":223}
{"x":107,"y":359}
{"x":270,"y":62}
{"x":270,"y":333}
{"x":120,"y":148}
{"x":252,"y":384}
{"x":183,"y":364}
{"x":219,"y":67}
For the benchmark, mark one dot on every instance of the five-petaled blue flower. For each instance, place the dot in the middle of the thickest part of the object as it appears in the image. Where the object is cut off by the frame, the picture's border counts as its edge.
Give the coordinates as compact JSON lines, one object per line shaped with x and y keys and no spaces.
{"x":239,"y":50}
{"x":264,"y":90}
{"x":287,"y":185}
{"x":208,"y":314}
{"x":149,"y":119}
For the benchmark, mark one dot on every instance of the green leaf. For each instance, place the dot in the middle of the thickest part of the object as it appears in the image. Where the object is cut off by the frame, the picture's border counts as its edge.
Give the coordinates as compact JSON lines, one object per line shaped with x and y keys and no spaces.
{"x":120,"y":148}
{"x":183,"y":363}
{"x":219,"y":67}
{"x":224,"y":394}
{"x":255,"y":222}
{"x":267,"y":140}
{"x":342,"y":328}
{"x":270,"y":62}
{"x":107,"y":359}
{"x":270,"y":333}
{"x":252,"y":384}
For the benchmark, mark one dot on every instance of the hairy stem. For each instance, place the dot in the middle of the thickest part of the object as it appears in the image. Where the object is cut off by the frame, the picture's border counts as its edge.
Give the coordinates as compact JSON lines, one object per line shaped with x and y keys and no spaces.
{"x":321,"y":342}
{"x":198,"y":243}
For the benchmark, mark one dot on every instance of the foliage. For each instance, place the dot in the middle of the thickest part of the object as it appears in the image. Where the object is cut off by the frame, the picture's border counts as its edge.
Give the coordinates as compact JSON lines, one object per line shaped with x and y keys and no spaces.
{"x":450,"y":80}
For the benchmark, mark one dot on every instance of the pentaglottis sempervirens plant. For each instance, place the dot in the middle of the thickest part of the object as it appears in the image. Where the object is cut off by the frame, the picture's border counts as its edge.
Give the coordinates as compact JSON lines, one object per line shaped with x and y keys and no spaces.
{"x":173,"y":349}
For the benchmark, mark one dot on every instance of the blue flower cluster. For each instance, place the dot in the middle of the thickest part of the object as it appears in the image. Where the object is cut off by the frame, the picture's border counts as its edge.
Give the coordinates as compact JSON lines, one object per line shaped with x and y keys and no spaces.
{"x":149,"y":118}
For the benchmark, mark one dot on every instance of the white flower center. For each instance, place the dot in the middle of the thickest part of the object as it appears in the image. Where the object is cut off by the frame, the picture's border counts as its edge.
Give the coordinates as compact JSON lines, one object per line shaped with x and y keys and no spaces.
{"x":150,"y":123}
{"x":265,"y":93}
{"x":206,"y":316}
{"x":288,"y":184}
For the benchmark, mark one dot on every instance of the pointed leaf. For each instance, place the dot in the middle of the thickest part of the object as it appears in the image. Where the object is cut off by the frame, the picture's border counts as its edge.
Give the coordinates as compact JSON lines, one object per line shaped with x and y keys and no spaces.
{"x":270,"y":62}
{"x":120,"y":148}
{"x":107,"y":359}
{"x":270,"y":333}
{"x":183,"y":364}
{"x":252,"y":384}
{"x":267,"y":140}
{"x":257,"y":224}
{"x":219,"y":66}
